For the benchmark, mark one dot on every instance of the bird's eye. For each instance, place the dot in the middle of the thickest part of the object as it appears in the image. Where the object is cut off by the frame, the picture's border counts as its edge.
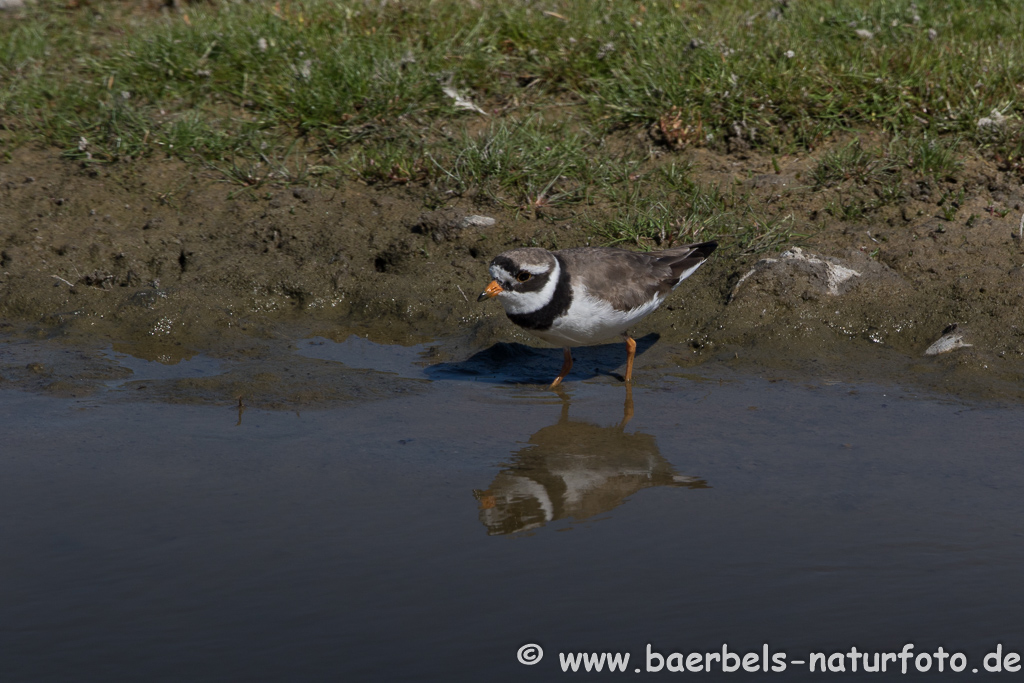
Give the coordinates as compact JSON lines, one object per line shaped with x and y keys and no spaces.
{"x":523,"y":276}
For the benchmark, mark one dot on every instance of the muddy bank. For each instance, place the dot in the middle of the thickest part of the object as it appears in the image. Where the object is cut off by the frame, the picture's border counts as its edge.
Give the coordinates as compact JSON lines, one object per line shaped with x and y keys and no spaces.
{"x":164,"y":255}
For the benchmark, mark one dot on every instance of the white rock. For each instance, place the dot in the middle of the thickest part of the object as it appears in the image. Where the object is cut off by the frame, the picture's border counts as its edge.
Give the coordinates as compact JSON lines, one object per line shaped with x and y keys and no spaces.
{"x":476,"y":222}
{"x":835,"y":274}
{"x":995,"y":119}
{"x":952,"y":339}
{"x":460,"y":101}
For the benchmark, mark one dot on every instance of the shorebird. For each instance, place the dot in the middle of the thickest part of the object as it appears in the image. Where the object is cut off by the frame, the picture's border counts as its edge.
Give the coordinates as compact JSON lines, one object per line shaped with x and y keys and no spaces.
{"x":574,"y":297}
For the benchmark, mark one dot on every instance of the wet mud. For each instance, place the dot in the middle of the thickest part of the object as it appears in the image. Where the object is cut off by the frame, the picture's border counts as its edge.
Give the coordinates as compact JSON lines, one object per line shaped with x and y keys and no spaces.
{"x":171,"y":261}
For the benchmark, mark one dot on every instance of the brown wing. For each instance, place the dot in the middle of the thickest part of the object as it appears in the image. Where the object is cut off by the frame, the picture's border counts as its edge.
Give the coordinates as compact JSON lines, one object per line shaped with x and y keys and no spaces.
{"x":685,"y":258}
{"x":627,"y":279}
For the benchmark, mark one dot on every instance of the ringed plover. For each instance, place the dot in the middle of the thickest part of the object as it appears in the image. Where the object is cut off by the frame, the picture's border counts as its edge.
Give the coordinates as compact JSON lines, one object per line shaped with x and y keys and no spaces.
{"x":574,"y":297}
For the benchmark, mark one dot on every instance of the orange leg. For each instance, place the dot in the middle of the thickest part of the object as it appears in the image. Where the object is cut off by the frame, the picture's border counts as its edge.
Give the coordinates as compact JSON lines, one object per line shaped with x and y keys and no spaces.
{"x":566,"y":367}
{"x":627,"y":407}
{"x":630,"y":354}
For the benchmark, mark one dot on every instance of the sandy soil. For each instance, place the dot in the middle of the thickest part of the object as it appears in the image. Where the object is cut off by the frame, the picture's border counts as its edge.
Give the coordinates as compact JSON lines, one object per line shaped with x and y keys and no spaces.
{"x":169,"y":259}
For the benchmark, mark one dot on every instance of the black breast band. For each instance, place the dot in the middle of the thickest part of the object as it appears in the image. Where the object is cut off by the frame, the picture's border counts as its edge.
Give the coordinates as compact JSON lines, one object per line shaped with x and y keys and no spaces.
{"x":544,"y":317}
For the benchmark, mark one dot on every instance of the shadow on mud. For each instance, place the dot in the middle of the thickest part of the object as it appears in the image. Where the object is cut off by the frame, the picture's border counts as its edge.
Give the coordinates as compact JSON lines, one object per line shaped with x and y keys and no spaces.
{"x":515,"y":363}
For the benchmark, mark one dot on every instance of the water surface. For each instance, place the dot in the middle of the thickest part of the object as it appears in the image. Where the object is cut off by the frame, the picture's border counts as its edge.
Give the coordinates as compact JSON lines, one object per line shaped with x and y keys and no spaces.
{"x":428,"y":536}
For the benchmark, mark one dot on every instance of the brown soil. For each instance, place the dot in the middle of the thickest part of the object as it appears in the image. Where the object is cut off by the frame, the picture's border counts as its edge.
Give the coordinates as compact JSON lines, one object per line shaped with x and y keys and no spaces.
{"x":161,"y":255}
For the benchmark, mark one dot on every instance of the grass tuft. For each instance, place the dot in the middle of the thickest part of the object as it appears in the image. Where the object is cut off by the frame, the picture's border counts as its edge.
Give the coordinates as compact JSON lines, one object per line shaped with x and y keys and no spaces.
{"x":528,"y":105}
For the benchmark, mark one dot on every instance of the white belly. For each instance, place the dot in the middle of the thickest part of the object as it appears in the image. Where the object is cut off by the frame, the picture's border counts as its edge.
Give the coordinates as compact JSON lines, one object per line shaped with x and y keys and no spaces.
{"x":590,"y":320}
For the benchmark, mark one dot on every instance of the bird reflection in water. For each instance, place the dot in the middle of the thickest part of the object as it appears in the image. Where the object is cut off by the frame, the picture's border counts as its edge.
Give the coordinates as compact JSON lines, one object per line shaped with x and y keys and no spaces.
{"x":575,"y":469}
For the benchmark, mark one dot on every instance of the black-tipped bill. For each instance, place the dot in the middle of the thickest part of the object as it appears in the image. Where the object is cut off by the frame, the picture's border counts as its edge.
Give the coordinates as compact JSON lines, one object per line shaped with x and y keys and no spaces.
{"x":493,"y":290}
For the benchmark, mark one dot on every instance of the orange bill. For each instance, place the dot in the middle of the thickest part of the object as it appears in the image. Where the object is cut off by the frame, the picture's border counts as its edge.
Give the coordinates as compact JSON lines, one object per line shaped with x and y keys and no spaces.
{"x":493,"y":289}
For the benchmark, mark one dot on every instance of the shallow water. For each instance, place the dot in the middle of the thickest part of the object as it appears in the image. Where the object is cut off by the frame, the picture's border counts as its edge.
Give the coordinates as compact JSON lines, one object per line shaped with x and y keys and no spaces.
{"x":427,"y":537}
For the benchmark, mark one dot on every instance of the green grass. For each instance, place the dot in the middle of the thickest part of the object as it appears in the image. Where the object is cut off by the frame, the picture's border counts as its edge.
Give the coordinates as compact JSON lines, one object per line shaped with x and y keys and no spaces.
{"x":338,"y":72}
{"x":861,"y":181}
{"x":936,"y":157}
{"x":697,"y":213}
{"x":524,"y":163}
{"x":852,"y":162}
{"x":294,"y":90}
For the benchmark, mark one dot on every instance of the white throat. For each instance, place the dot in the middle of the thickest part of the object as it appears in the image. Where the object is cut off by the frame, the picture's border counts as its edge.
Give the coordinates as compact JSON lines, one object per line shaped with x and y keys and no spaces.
{"x":519,"y":303}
